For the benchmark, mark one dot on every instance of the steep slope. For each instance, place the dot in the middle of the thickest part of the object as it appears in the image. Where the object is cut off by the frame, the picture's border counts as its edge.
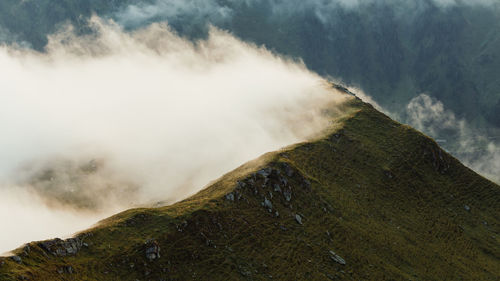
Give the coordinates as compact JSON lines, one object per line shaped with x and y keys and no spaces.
{"x":369,"y":200}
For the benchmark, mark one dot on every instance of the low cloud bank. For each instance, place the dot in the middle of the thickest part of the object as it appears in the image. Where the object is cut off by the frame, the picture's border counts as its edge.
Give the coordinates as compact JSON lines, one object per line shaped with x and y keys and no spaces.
{"x":104,"y":122}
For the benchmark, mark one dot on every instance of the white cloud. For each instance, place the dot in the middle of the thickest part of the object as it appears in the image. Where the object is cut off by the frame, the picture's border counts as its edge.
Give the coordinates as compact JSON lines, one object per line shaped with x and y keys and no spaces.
{"x":163,"y":114}
{"x":475,"y":149}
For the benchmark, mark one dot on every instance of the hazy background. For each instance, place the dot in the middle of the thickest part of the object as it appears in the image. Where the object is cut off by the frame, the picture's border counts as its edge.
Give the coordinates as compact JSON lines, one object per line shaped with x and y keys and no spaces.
{"x":104,"y":122}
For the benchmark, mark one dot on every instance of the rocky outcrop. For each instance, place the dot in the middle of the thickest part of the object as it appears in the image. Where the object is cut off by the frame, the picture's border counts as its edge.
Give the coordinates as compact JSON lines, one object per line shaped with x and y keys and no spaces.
{"x":264,"y":182}
{"x":62,"y":248}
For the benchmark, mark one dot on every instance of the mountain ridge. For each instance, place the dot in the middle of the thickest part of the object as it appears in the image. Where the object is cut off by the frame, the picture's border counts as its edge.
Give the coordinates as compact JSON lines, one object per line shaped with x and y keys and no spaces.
{"x":370,"y":199}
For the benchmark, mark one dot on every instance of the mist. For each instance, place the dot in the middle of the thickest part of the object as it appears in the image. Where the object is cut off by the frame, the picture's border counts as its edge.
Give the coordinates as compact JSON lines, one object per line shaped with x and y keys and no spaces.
{"x":478,"y":150}
{"x":113,"y":120}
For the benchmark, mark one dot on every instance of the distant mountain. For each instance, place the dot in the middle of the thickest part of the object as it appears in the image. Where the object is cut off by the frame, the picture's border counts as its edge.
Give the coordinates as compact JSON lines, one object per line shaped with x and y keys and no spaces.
{"x":395,"y":50}
{"x":370,"y":199}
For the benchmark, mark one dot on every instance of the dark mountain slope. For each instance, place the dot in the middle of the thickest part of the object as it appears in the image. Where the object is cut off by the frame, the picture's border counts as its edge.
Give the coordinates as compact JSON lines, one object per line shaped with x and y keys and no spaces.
{"x":372,"y":193}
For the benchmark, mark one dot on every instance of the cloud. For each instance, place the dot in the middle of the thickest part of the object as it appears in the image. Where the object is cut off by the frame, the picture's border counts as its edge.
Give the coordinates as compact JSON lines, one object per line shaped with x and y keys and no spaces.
{"x":104,"y":122}
{"x":475,"y":149}
{"x":192,"y":12}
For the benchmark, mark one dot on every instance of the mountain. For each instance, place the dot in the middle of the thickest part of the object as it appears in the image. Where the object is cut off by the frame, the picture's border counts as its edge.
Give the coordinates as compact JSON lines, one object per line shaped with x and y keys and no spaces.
{"x":399,"y":51}
{"x":369,"y":199}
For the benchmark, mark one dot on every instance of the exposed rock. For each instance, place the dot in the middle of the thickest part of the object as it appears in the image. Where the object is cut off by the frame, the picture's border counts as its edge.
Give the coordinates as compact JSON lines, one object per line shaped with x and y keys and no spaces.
{"x":62,"y":248}
{"x":26,"y":249}
{"x":241,"y":184}
{"x":337,"y":258}
{"x":16,"y":259}
{"x":152,"y":250}
{"x":265,"y":172}
{"x":288,"y":170}
{"x":283,"y":181}
{"x":298,"y":218}
{"x":230,"y":196}
{"x":268,"y":204}
{"x":288,"y":195}
{"x":277,"y":188}
{"x":245,"y":272}
{"x":65,"y":269}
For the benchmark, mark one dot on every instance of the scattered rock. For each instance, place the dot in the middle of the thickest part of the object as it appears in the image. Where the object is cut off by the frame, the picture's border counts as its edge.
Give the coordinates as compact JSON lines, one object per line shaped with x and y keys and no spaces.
{"x":26,"y":249}
{"x":65,"y":269}
{"x":16,"y":259}
{"x":265,"y":172}
{"x":298,"y":218}
{"x":338,"y":259}
{"x":152,"y":250}
{"x":230,"y":196}
{"x":245,"y":272}
{"x":268,"y":204}
{"x":283,"y":181}
{"x":467,"y":208}
{"x":288,"y":195}
{"x":277,"y":188}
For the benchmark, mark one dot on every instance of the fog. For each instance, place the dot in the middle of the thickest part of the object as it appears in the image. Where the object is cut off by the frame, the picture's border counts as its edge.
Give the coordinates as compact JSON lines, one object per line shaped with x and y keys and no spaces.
{"x":477,"y":149}
{"x":109,"y":121}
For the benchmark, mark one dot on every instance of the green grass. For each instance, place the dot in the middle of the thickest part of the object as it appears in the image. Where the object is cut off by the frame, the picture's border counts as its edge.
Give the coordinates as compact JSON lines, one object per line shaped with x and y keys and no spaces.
{"x":381,"y":195}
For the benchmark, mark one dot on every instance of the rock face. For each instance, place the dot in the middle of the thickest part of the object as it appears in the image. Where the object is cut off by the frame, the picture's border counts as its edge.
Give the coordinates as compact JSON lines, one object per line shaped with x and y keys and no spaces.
{"x":62,"y":248}
{"x":152,"y":250}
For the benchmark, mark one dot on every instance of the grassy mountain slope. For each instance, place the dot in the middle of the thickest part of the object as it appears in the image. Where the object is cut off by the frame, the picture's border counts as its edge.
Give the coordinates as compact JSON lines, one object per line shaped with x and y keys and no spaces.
{"x":371,"y":192}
